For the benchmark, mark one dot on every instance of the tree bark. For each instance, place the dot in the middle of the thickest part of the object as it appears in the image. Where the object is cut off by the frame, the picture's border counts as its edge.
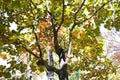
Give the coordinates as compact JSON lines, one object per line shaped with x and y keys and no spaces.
{"x":63,"y":74}
{"x":50,"y":74}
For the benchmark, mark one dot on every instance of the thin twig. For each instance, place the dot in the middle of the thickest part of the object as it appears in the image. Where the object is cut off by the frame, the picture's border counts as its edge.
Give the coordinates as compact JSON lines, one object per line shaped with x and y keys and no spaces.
{"x":79,"y":8}
{"x":63,"y":12}
{"x":30,"y":52}
{"x":38,"y":45}
{"x":75,"y":15}
{"x":73,"y":26}
{"x":33,"y":4}
{"x":93,"y":13}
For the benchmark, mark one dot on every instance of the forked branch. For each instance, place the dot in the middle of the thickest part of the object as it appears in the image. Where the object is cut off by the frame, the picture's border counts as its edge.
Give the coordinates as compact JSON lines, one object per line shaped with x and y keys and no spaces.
{"x":48,"y":67}
{"x":75,"y":15}
{"x":79,"y":8}
{"x":42,"y":62}
{"x":80,"y":22}
{"x":73,"y":26}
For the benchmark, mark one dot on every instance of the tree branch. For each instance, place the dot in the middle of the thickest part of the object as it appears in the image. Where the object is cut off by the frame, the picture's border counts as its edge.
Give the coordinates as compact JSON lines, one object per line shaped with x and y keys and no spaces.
{"x":73,"y":26}
{"x":70,"y":43}
{"x":79,"y":8}
{"x":75,"y":15}
{"x":33,"y":4}
{"x":40,"y":61}
{"x":43,"y":62}
{"x":51,"y":68}
{"x":56,"y":45}
{"x":38,"y":45}
{"x":62,"y":19}
{"x":48,"y":67}
{"x":93,"y":13}
{"x":30,"y":51}
{"x":70,"y":39}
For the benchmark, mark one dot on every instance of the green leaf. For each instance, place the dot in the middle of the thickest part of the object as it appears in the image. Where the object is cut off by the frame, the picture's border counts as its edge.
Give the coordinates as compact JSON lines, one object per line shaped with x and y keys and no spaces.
{"x":7,"y":74}
{"x":23,"y":67}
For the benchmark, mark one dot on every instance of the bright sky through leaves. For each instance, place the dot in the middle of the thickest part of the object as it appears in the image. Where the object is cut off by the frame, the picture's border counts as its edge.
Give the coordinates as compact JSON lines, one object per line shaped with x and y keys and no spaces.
{"x":13,"y":26}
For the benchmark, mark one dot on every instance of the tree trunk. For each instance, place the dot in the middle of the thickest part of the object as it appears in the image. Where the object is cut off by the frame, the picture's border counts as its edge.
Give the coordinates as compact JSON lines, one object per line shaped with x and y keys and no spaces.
{"x":63,"y":74}
{"x":50,"y":74}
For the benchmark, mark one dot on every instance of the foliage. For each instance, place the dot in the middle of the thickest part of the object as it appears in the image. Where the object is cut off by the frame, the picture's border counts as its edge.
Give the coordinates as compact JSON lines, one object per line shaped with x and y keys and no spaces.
{"x":28,"y":26}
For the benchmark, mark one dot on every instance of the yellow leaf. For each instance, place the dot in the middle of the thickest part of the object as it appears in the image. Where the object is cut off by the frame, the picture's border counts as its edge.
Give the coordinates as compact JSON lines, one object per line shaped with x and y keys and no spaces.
{"x":3,"y":55}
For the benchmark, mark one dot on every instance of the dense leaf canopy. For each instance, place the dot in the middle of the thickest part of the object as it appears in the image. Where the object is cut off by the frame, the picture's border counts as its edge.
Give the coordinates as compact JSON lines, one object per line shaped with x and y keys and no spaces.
{"x":26,"y":23}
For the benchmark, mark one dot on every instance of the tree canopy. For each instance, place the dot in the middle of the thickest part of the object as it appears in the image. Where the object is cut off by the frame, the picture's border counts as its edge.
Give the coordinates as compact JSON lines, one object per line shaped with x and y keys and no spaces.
{"x":69,"y":28}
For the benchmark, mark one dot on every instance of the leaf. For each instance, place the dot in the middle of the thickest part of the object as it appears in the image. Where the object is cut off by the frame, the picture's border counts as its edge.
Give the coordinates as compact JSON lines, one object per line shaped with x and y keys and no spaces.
{"x":23,"y":68}
{"x":6,"y":74}
{"x":3,"y":55}
{"x":86,"y":38}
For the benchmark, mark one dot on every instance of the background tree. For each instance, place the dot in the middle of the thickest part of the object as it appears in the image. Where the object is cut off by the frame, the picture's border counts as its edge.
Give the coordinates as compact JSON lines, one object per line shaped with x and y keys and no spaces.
{"x":70,"y":28}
